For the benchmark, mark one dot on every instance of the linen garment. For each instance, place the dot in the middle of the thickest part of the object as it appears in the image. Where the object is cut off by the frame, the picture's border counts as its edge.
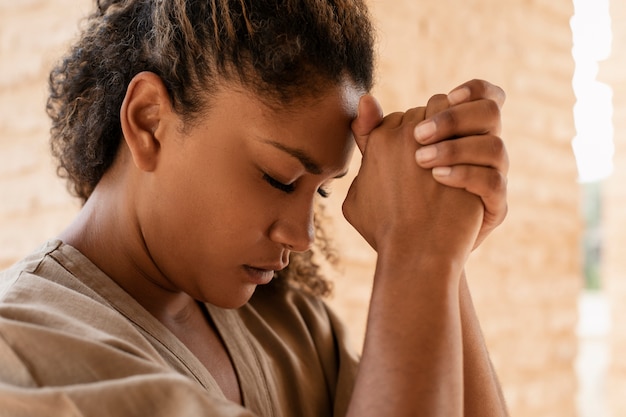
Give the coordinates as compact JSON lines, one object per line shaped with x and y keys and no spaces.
{"x":74,"y":343}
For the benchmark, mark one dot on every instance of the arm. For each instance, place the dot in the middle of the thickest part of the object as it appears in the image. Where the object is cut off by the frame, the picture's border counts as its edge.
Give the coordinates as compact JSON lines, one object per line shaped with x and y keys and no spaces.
{"x":441,"y":362}
{"x":479,"y":164}
{"x":423,"y":232}
{"x":412,"y":357}
{"x":483,"y":396}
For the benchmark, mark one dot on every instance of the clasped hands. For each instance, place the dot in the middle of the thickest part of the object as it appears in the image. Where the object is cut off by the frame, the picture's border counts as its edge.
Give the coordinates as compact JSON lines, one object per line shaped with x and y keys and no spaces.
{"x":433,"y":176}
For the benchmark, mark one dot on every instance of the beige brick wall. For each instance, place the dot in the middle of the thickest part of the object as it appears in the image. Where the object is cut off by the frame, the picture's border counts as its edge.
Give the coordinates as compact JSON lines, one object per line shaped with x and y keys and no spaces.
{"x":613,"y":71}
{"x":33,"y":203}
{"x":525,"y":278}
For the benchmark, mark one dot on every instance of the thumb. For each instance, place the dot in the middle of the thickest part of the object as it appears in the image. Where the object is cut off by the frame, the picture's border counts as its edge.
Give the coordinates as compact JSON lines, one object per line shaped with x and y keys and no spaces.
{"x":369,"y":116}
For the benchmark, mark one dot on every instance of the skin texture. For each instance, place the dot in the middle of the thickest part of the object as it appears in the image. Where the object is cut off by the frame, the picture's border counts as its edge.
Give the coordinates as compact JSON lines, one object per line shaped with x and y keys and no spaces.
{"x":200,"y":206}
{"x":206,"y":212}
{"x":423,"y":233}
{"x":198,"y":215}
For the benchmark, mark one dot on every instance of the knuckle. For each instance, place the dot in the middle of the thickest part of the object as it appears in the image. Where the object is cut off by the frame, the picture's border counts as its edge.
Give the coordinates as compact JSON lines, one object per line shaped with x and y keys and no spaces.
{"x":485,"y":89}
{"x":415,"y":114}
{"x":438,"y":101}
{"x":498,"y":149}
{"x":492,"y":108}
{"x":478,"y":87}
{"x":491,"y":114}
{"x":496,"y":182}
{"x":448,"y":119}
{"x":392,"y":120}
{"x":448,"y":151}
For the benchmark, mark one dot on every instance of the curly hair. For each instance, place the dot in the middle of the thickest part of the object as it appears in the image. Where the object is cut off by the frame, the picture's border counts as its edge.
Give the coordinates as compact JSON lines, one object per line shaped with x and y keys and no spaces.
{"x":283,"y":50}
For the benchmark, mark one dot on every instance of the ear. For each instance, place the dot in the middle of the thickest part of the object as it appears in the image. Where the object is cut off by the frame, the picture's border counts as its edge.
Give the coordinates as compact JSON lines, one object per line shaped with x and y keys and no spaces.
{"x":145,"y":108}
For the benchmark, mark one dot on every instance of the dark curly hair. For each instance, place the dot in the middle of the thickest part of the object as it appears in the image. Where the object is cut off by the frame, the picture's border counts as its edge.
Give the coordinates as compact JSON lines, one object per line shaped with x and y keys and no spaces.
{"x":283,"y":50}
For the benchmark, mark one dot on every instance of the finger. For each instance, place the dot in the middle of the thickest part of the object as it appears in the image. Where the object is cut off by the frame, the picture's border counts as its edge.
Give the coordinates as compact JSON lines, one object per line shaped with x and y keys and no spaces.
{"x":413,"y":115}
{"x":437,"y":103}
{"x":369,"y":116}
{"x":471,"y":118}
{"x":482,"y":150}
{"x":476,"y":90}
{"x":487,"y":183}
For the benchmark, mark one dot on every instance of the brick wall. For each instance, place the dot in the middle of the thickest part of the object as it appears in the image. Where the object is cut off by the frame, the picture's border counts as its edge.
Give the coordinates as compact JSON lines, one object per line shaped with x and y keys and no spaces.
{"x":524,"y":278}
{"x":613,"y":71}
{"x":33,"y":202}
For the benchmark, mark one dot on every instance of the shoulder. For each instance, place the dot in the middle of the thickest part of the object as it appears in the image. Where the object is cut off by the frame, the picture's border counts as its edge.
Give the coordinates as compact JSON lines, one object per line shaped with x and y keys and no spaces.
{"x":55,"y":280}
{"x":54,"y":267}
{"x":61,"y":328}
{"x":10,"y":276}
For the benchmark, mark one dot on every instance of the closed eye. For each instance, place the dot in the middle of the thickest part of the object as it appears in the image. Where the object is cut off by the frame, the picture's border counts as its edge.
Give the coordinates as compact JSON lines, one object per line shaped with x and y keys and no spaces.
{"x":286,"y":188}
{"x":290,"y":188}
{"x":323,"y":192}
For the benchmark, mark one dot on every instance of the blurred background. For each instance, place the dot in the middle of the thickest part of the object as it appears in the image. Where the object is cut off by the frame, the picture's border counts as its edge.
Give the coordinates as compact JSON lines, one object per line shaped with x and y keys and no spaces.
{"x":548,"y":284}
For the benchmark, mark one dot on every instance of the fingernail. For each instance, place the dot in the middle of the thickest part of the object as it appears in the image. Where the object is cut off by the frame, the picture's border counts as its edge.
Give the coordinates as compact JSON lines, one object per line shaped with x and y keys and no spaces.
{"x":442,"y":171}
{"x":426,"y":154}
{"x":425,"y":130}
{"x":459,"y":95}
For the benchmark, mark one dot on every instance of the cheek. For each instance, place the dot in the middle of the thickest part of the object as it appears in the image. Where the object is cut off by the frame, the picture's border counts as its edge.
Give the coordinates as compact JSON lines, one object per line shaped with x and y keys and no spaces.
{"x":218,"y":199}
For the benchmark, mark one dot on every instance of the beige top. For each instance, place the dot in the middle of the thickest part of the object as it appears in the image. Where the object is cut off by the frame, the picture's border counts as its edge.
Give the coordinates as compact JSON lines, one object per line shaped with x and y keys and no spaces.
{"x":73,"y":343}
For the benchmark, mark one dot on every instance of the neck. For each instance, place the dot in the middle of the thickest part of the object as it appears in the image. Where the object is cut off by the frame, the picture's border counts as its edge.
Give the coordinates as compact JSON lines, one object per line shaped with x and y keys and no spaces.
{"x":108,"y":233}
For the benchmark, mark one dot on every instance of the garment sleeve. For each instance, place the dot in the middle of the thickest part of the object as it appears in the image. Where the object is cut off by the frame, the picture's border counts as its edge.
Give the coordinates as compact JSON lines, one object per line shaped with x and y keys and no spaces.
{"x":65,"y":352}
{"x":156,"y":394}
{"x":306,"y":353}
{"x":348,"y":362}
{"x":49,"y":372}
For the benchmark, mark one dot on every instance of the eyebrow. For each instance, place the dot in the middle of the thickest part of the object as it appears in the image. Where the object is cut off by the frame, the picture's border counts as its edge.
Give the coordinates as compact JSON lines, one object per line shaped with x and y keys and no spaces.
{"x":307,"y":162}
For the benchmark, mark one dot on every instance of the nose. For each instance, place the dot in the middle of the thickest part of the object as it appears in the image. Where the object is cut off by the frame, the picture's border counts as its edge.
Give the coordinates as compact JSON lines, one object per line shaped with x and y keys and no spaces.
{"x":294,"y":231}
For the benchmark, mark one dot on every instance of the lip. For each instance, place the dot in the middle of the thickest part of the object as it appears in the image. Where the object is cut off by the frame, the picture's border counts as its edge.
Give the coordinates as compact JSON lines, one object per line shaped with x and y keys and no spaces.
{"x":259,"y":276}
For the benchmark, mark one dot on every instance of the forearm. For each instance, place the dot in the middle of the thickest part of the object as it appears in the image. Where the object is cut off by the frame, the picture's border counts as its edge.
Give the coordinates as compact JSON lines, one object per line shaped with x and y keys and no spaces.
{"x":412,"y":356}
{"x":482,"y":393}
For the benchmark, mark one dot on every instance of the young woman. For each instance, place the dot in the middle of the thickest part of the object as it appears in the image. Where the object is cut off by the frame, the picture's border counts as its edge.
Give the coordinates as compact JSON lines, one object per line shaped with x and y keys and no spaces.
{"x":199,"y":135}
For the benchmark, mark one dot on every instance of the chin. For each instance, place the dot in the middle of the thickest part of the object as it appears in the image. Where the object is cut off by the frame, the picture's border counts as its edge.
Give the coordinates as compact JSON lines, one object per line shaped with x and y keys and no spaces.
{"x":233,"y":300}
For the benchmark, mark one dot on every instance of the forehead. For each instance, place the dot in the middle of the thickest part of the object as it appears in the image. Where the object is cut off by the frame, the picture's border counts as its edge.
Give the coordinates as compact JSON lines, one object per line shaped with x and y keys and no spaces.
{"x":333,"y":101}
{"x":342,"y":97}
{"x":318,"y":127}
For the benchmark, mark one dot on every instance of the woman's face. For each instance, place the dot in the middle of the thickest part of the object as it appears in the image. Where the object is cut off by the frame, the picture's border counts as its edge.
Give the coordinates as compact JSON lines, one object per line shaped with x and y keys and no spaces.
{"x":233,"y":195}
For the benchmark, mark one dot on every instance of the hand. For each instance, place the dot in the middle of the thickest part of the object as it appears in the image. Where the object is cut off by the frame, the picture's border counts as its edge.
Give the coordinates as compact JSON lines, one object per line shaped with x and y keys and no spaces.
{"x":394,"y":202}
{"x":476,"y":160}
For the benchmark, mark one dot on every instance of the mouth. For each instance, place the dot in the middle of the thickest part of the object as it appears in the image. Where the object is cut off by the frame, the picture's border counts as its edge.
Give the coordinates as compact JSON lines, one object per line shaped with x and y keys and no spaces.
{"x":259,"y":276}
{"x":263,"y":273}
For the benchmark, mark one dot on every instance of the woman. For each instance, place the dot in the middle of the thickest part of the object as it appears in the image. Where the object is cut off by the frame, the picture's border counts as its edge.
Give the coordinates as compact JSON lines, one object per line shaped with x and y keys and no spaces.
{"x":199,"y":136}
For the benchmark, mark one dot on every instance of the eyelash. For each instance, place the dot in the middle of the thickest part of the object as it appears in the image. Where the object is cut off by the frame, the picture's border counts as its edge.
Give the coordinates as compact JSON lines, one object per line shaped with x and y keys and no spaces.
{"x":290,"y":188}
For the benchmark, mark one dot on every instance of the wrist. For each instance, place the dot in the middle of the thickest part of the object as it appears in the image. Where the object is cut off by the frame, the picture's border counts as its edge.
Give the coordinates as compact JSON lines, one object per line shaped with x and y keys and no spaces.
{"x":424,"y":254}
{"x":402,"y":270}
